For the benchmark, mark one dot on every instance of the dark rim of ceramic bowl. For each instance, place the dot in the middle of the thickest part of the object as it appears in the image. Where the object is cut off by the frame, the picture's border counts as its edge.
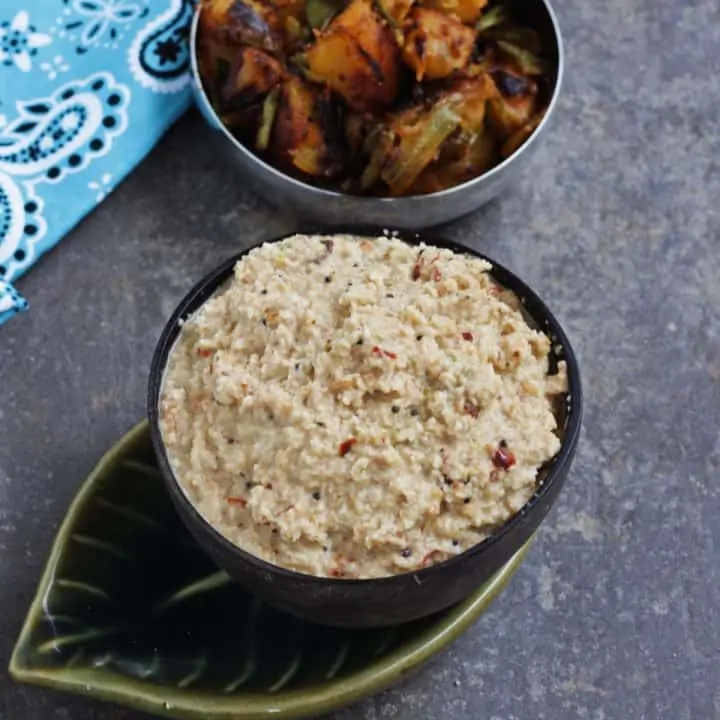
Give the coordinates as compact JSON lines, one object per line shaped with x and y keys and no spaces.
{"x":496,"y":170}
{"x":534,"y":307}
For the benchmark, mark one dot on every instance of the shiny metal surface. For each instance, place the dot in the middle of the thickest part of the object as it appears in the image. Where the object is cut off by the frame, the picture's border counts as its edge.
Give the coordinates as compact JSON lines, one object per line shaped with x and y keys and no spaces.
{"x":324,"y":207}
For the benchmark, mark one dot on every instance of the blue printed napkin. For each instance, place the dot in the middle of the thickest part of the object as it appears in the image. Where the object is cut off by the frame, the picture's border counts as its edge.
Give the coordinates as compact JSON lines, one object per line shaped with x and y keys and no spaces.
{"x":87,"y":87}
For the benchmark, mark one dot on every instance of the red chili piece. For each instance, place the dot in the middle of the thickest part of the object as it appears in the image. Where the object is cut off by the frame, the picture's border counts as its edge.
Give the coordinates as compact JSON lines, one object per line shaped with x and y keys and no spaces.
{"x":471,"y":408}
{"x":417,"y":267}
{"x":237,"y":501}
{"x":467,"y":336}
{"x":345,"y":446}
{"x":380,"y":352}
{"x":503,"y":458}
{"x":204,"y":352}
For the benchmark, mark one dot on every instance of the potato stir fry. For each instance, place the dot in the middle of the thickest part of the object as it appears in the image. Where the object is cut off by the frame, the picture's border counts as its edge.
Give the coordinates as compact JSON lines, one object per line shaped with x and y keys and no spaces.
{"x":374,"y":97}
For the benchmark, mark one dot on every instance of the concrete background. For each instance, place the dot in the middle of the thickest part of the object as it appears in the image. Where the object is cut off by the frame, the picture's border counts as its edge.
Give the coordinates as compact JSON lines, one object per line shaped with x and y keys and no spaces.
{"x":615,"y":614}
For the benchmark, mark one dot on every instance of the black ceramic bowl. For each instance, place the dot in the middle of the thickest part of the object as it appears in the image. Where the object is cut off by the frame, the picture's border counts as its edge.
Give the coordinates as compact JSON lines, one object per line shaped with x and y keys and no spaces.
{"x":399,"y":598}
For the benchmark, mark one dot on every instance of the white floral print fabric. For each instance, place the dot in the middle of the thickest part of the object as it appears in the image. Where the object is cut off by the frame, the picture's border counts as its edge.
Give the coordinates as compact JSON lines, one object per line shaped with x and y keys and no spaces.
{"x":73,"y":75}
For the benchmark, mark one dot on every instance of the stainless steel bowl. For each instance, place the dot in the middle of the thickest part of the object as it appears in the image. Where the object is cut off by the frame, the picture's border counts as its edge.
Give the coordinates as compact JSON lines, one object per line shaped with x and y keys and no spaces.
{"x":326,"y":207}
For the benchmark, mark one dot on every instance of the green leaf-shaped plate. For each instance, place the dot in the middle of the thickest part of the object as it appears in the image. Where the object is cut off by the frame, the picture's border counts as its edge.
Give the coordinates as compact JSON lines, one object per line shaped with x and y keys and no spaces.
{"x":130,"y":610}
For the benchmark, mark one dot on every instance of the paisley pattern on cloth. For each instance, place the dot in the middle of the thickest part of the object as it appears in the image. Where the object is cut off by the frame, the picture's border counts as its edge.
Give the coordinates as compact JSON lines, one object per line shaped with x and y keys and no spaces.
{"x":87,"y":87}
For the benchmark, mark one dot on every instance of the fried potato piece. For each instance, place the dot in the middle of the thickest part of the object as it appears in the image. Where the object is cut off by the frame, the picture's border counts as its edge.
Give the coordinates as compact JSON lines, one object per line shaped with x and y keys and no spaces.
{"x":215,"y":15}
{"x":461,"y":160}
{"x":515,"y":103}
{"x":475,"y":92}
{"x":254,"y":73}
{"x":436,"y":44}
{"x":216,"y":51}
{"x":240,"y":22}
{"x":357,"y":57}
{"x":468,"y":11}
{"x":215,"y":59}
{"x":300,"y":137}
{"x":521,"y":135}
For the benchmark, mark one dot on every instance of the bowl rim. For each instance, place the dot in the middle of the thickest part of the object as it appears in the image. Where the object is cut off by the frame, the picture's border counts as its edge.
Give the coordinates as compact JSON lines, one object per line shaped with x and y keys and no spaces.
{"x":545,"y":320}
{"x":496,"y":171}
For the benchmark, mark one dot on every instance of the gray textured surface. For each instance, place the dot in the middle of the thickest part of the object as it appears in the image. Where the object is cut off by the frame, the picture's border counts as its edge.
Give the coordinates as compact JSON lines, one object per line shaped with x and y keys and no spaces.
{"x":615,"y":614}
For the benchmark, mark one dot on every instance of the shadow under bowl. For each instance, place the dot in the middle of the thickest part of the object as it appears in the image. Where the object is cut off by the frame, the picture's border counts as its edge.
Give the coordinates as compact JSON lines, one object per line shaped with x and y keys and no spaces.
{"x":327,"y":207}
{"x":398,"y":598}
